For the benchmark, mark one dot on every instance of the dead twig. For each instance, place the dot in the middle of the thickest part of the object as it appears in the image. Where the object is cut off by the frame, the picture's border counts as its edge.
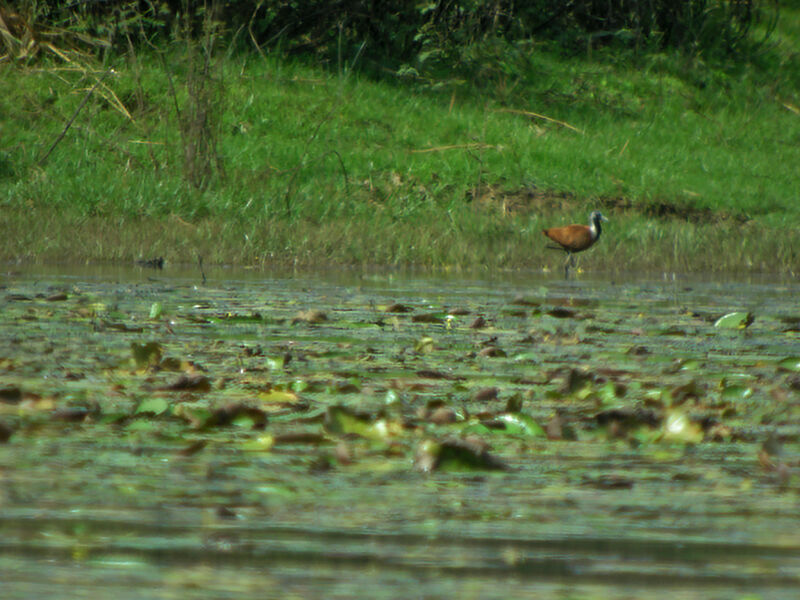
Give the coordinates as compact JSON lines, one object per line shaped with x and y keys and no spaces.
{"x":470,"y":146}
{"x":528,"y":113}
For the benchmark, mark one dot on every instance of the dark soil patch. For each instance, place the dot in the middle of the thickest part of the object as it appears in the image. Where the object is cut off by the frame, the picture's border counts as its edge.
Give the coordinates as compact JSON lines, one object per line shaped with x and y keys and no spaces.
{"x":530,"y":198}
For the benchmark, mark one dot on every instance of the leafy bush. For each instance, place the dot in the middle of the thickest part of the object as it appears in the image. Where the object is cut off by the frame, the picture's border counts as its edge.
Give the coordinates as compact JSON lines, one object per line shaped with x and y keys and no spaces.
{"x":395,"y":32}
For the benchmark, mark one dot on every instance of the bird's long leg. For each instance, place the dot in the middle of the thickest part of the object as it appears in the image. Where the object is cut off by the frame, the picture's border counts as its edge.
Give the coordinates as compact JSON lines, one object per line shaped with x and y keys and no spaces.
{"x":566,"y":265}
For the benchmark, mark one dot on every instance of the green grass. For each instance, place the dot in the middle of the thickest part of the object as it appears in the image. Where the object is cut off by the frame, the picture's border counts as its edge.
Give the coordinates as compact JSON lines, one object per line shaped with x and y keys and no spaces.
{"x":695,"y":164}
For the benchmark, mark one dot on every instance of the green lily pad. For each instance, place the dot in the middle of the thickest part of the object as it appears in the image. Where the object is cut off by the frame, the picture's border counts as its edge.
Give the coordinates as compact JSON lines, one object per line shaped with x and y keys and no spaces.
{"x":791,"y":363}
{"x":153,"y":406}
{"x":341,"y":421}
{"x":145,"y":355}
{"x":156,"y":310}
{"x":520,"y":423}
{"x":735,"y":320}
{"x":456,"y":455}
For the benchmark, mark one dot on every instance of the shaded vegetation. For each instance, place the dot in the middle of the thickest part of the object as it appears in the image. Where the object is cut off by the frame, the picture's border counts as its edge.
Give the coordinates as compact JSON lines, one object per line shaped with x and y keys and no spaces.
{"x":393,"y":33}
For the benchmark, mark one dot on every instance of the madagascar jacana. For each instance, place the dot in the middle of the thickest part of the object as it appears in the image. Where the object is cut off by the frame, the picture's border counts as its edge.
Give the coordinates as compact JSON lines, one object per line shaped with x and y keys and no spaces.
{"x":576,"y":238}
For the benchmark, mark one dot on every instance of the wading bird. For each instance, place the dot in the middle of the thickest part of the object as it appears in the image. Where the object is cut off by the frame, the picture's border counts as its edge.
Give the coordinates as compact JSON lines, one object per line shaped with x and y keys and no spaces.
{"x":575,"y":238}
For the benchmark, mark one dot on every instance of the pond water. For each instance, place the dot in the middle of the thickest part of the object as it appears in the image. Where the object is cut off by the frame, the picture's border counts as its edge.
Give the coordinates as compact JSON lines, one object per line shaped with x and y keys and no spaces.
{"x":342,"y":434}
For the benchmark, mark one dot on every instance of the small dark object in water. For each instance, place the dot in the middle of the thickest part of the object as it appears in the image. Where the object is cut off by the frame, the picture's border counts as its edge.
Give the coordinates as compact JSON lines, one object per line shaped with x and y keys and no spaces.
{"x":6,"y":431}
{"x":152,"y":263}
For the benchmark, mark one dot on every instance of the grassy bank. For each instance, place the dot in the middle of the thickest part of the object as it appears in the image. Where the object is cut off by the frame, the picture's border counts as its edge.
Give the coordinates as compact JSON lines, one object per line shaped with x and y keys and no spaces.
{"x":259,"y":160}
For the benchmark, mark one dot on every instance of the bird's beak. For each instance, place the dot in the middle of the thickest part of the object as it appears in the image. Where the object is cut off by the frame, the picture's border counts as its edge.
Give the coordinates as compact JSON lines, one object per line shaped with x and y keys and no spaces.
{"x":603,"y":218}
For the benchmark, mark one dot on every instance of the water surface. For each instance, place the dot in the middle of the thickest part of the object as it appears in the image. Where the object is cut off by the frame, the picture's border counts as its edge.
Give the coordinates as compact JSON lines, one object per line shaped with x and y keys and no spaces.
{"x":100,"y":498}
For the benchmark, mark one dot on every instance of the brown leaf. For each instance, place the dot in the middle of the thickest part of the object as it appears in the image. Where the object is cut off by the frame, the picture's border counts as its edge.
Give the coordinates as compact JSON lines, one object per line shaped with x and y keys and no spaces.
{"x":431,"y":374}
{"x":609,"y":482}
{"x":470,"y":454}
{"x":491,"y":352}
{"x":575,"y":380}
{"x":485,"y":394}
{"x":342,"y":453}
{"x":10,"y":394}
{"x":226,"y":415}
{"x":396,"y":307}
{"x":192,"y":382}
{"x":426,"y":318}
{"x":638,"y":351}
{"x":559,"y":312}
{"x":6,"y":431}
{"x":553,"y":429}
{"x":443,"y":416}
{"x":478,"y":323}
{"x":312,"y":317}
{"x":72,"y":413}
{"x":192,"y":448}
{"x":520,"y":301}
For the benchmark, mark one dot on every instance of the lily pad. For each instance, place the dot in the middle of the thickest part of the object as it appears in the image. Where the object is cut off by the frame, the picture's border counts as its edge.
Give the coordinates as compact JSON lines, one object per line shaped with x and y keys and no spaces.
{"x":735,"y":320}
{"x":470,"y":454}
{"x":520,"y":423}
{"x":153,"y":406}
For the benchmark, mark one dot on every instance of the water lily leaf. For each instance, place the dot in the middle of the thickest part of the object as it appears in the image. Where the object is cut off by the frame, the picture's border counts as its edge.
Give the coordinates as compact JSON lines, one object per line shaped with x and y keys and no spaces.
{"x":678,"y":427}
{"x":690,"y":364}
{"x":340,"y":420}
{"x":275,"y":363}
{"x":791,"y":363}
{"x":343,"y":387}
{"x":443,"y":415}
{"x":559,"y":312}
{"x":262,"y":443}
{"x":433,"y":374}
{"x":194,"y":382}
{"x":117,"y":326}
{"x":608,"y":394}
{"x":428,"y":318}
{"x":277,"y":396}
{"x":312,"y":317}
{"x":156,"y":310}
{"x":237,"y":318}
{"x":521,"y":423}
{"x":145,"y":355}
{"x":425,"y":345}
{"x":674,"y":330}
{"x":301,"y":385}
{"x":531,"y":357}
{"x":478,"y":323}
{"x":485,"y":394}
{"x":475,"y":427}
{"x":491,"y":352}
{"x":470,"y":454}
{"x":196,"y":416}
{"x":736,"y":392}
{"x":10,"y":394}
{"x":735,"y":320}
{"x":241,"y":415}
{"x":153,"y":406}
{"x":396,"y":307}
